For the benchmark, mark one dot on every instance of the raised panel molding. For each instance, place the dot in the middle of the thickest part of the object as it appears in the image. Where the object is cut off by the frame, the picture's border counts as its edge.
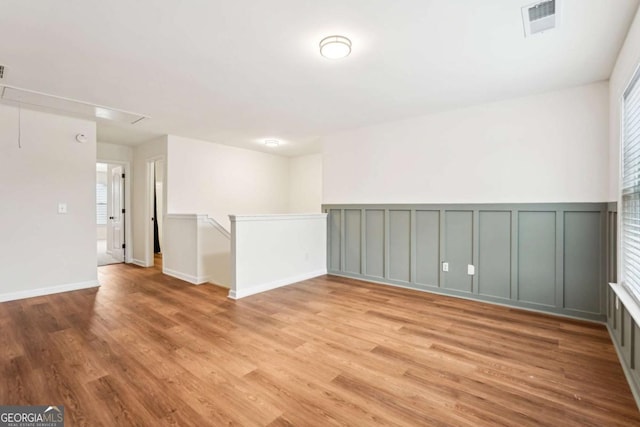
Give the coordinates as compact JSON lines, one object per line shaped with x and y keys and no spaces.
{"x":427,"y":248}
{"x":537,"y":257}
{"x":547,"y":257}
{"x":374,"y":243}
{"x":494,"y":254}
{"x":458,"y":249}
{"x":334,"y":240}
{"x":352,"y":241}
{"x":582,"y":259}
{"x":399,"y":245}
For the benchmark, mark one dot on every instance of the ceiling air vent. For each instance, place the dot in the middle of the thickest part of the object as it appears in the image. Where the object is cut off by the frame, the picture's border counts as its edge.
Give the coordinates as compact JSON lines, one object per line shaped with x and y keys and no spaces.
{"x":540,"y":17}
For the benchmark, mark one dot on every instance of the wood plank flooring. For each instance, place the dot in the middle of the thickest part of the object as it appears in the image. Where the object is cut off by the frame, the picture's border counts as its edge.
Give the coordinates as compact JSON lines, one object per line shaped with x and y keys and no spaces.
{"x":147,"y":349}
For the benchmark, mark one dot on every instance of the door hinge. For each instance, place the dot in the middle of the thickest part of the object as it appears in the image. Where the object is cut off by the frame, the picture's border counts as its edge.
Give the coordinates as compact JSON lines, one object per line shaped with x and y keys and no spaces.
{"x":123,"y":210}
{"x":122,"y":176}
{"x":124,"y":246}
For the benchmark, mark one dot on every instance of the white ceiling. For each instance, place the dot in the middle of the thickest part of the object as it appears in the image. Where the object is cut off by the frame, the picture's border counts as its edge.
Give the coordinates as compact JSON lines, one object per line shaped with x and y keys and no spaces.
{"x":237,"y":72}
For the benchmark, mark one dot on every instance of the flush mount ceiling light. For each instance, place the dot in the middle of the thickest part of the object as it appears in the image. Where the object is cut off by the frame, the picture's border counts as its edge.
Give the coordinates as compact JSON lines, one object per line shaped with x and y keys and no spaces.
{"x":271,"y":143}
{"x":335,"y":47}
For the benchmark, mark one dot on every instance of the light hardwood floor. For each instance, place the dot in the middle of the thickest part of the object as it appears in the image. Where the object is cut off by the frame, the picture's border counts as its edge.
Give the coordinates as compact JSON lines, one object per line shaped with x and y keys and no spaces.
{"x":147,"y":349}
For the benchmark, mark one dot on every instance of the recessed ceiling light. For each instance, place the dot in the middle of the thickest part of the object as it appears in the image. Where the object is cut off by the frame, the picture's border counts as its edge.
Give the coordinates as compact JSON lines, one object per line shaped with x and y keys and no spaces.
{"x":335,"y":47}
{"x":271,"y":143}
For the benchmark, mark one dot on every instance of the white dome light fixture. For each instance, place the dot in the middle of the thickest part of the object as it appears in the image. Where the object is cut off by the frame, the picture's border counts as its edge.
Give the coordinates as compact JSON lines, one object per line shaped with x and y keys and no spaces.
{"x":272,"y":143}
{"x":335,"y":47}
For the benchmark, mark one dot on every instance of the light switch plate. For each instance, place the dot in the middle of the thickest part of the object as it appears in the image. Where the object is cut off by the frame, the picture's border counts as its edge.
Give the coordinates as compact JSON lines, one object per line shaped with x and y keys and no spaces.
{"x":62,"y":208}
{"x":445,"y":266}
{"x":471,"y":270}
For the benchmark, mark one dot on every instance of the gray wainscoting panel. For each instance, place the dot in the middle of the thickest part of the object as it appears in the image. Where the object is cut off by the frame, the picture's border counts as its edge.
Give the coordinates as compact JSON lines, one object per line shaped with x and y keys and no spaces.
{"x":400,"y":245}
{"x":334,"y":240}
{"x":549,"y":257}
{"x":427,"y":247}
{"x":537,"y":257}
{"x":494,"y":258}
{"x":458,"y":243}
{"x":352,"y":240}
{"x":627,"y":334}
{"x":582,"y":256}
{"x":374,"y":238}
{"x":635,"y":362}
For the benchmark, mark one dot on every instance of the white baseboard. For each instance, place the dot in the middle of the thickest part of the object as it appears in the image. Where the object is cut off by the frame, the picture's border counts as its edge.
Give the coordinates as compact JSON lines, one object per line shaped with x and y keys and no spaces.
{"x":186,"y":277}
{"x":12,"y":296}
{"x":237,"y":294}
{"x":139,"y":262}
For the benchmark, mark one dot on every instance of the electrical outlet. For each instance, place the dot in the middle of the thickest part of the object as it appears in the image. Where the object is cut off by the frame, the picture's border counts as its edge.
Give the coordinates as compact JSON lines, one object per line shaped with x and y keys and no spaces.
{"x":471,"y":270}
{"x":62,"y":208}
{"x":445,"y":266}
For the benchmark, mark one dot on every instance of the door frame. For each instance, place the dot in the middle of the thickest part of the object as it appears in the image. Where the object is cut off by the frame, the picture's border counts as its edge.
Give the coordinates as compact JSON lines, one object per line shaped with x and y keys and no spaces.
{"x":128,"y":235}
{"x":150,"y":184}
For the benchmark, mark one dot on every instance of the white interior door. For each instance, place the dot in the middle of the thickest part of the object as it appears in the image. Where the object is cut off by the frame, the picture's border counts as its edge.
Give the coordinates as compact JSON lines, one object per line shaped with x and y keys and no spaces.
{"x":116,"y":217}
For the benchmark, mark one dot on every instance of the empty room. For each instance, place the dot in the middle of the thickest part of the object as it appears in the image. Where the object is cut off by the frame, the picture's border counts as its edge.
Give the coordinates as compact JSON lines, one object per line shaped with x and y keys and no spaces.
{"x":293,"y":212}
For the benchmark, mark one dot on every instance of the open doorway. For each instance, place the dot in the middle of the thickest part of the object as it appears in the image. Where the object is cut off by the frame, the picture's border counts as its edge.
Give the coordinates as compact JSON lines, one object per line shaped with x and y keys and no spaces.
{"x":110,"y":218}
{"x":155,"y":169}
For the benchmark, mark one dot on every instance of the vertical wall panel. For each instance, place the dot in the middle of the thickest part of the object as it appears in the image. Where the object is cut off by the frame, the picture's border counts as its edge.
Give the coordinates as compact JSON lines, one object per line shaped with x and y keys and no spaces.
{"x":458,"y":249}
{"x":537,"y":257}
{"x":352,"y":240}
{"x":334,"y":239}
{"x":635,"y":362}
{"x":582,"y":252}
{"x":427,"y":247}
{"x":610,"y":300}
{"x":617,"y":313}
{"x":399,"y":244}
{"x":627,"y":330}
{"x":494,"y":257}
{"x":374,"y":237}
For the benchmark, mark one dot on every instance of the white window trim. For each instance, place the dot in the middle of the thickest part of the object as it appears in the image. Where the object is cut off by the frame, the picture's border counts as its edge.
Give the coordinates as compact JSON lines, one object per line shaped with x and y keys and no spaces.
{"x":628,"y":295}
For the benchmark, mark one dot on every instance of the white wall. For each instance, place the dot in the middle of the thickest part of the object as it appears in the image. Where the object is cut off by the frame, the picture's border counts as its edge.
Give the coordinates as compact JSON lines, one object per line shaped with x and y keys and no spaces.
{"x":218,"y":180}
{"x":544,"y":148}
{"x":42,"y":251}
{"x":269,"y":251}
{"x":197,"y":250}
{"x":305,"y":184}
{"x":142,"y":214}
{"x":114,"y":152}
{"x":626,"y":64}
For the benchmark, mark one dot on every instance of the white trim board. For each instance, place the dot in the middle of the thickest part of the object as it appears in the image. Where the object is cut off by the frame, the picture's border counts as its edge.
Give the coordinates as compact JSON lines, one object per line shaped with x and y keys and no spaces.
{"x":276,"y":217}
{"x":256,"y":289}
{"x":191,"y":279}
{"x":139,"y":263}
{"x":185,"y":277}
{"x":627,"y":300}
{"x":12,"y":296}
